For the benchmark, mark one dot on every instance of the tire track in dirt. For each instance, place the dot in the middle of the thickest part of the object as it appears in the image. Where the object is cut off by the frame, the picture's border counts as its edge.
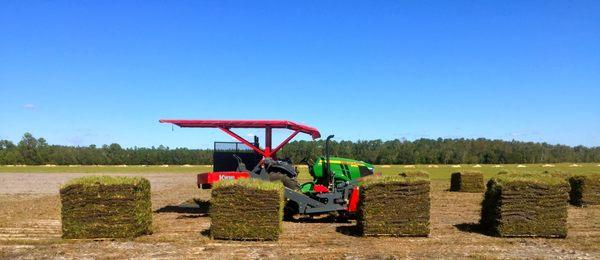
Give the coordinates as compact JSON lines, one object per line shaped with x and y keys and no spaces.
{"x":33,"y":230}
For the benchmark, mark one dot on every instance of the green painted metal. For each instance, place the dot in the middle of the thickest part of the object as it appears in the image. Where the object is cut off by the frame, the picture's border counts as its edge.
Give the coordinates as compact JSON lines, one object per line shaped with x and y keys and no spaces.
{"x":344,"y":169}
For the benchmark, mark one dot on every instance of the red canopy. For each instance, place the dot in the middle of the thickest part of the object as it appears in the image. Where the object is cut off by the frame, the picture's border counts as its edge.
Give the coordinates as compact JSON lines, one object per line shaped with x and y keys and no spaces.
{"x":246,"y":124}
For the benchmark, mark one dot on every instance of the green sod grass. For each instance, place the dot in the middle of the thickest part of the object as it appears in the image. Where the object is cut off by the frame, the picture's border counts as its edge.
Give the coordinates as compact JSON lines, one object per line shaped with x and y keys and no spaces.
{"x":106,"y":207}
{"x":246,"y":209}
{"x":394,"y":206}
{"x":467,"y":181}
{"x":525,"y":204}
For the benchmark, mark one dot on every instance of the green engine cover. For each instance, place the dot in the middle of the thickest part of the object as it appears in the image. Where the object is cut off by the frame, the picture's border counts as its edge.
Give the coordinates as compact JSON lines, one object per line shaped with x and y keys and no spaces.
{"x":343,"y":169}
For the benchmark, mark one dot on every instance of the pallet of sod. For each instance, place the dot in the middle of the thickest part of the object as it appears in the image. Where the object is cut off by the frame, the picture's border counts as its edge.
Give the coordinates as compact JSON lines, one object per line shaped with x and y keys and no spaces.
{"x":246,"y":209}
{"x":467,"y":182}
{"x":526,"y":205}
{"x":585,"y":190}
{"x":106,"y":207}
{"x":394,"y":206}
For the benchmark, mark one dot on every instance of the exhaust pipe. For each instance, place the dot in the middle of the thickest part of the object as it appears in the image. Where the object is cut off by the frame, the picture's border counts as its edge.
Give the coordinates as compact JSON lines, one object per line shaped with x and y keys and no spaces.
{"x":329,"y":172}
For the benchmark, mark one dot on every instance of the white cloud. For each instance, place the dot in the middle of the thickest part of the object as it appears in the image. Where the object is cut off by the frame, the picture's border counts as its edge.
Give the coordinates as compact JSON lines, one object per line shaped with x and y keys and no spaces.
{"x":29,"y":106}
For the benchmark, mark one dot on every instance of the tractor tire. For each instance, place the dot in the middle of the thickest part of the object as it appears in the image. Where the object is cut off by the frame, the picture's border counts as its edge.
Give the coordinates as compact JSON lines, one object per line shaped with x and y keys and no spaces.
{"x":285,"y":180}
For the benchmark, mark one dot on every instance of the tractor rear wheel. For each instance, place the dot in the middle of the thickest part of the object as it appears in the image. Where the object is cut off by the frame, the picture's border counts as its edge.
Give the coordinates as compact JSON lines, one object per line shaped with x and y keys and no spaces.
{"x":285,"y":180}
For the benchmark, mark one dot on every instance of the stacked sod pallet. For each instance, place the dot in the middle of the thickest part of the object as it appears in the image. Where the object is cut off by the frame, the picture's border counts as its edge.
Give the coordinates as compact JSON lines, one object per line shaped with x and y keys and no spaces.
{"x":106,"y":207}
{"x":585,"y":190}
{"x":246,"y":209}
{"x":394,"y":206}
{"x":467,"y":182}
{"x":532,"y":205}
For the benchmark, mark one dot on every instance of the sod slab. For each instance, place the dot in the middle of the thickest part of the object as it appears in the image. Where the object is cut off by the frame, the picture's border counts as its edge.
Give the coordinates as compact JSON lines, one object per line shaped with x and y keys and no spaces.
{"x":585,"y":190}
{"x":394,"y":206}
{"x":246,"y":209}
{"x":470,"y":181}
{"x":106,"y":207}
{"x":525,"y":205}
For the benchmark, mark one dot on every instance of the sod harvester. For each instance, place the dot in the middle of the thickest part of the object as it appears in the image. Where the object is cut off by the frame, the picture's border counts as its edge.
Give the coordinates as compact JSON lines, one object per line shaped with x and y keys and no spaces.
{"x":334,"y":188}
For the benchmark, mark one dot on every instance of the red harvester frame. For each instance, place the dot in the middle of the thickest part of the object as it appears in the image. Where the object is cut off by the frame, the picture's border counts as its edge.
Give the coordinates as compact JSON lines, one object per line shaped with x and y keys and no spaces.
{"x":268,"y":125}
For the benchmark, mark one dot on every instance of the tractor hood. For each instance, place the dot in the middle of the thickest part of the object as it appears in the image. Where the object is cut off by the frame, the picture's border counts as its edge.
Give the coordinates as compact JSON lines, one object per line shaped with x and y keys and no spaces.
{"x":344,"y":169}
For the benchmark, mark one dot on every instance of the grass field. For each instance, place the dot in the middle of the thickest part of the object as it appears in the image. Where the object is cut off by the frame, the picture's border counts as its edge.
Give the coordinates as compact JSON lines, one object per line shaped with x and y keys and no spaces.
{"x":437,"y":172}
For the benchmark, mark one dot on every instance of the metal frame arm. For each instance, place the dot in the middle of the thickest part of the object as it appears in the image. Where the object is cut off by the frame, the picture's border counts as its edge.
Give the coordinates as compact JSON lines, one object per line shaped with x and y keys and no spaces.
{"x":241,"y":139}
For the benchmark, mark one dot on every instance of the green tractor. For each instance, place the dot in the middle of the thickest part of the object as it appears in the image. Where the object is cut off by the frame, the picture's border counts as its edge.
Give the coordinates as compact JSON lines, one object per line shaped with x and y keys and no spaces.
{"x":335,"y":185}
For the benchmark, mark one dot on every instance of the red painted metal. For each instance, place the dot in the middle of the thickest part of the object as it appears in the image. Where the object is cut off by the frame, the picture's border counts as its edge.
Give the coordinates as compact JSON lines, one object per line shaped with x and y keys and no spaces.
{"x":268,"y":125}
{"x":246,"y":124}
{"x":287,"y":140}
{"x":318,"y":188}
{"x":214,"y":177}
{"x":353,"y":202}
{"x":241,"y":139}
{"x":268,"y":137}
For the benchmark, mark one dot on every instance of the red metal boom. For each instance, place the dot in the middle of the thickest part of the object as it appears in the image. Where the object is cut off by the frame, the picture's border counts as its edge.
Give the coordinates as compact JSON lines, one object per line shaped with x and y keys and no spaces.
{"x":268,"y":125}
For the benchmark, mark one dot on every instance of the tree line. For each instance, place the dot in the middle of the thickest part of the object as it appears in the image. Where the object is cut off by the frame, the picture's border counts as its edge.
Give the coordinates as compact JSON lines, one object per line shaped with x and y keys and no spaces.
{"x":36,"y":151}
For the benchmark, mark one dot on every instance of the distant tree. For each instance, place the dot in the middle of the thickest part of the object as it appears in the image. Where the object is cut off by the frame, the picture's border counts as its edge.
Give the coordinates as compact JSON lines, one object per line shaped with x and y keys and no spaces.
{"x":34,"y":151}
{"x":28,"y":147}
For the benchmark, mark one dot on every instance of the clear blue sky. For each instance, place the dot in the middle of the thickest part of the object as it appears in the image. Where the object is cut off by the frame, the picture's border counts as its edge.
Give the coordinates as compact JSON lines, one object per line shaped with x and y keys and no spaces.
{"x":97,"y":72}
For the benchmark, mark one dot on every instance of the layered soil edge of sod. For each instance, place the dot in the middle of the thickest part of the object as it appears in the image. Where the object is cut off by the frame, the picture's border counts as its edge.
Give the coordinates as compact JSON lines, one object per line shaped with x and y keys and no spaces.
{"x":246,"y":209}
{"x":394,"y":206}
{"x":106,"y":207}
{"x":525,"y":205}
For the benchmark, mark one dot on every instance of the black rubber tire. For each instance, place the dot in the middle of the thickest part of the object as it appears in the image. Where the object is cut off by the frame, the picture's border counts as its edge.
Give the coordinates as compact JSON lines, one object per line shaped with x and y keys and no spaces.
{"x":285,"y":180}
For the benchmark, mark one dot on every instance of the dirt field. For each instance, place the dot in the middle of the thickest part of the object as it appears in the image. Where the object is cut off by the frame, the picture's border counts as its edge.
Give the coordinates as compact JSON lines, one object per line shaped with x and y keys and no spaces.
{"x":30,"y":228}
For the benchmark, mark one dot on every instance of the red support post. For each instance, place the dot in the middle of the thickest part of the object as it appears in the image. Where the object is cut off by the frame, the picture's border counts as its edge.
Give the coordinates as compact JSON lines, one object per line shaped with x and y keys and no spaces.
{"x":268,"y":136}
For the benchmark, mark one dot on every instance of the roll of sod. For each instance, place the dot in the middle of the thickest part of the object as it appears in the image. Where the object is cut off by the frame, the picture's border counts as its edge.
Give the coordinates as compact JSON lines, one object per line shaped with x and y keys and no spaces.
{"x":246,"y":209}
{"x":394,"y":206}
{"x":467,"y":182}
{"x":106,"y":207}
{"x":585,"y":190}
{"x":526,"y":205}
{"x":414,"y":174}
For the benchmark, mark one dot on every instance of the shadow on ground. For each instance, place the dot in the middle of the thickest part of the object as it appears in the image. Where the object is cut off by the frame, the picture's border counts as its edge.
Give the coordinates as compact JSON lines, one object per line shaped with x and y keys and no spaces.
{"x":205,"y":233}
{"x":194,"y":207}
{"x":320,"y":219}
{"x":348,"y":230}
{"x":472,"y":228}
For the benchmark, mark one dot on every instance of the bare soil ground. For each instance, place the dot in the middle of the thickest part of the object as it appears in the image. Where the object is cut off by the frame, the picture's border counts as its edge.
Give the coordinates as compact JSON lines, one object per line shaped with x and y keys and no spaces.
{"x":30,"y":228}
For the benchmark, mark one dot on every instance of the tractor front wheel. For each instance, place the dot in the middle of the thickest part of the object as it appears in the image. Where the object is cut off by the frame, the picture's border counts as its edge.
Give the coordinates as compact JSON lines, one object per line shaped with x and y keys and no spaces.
{"x":285,"y":180}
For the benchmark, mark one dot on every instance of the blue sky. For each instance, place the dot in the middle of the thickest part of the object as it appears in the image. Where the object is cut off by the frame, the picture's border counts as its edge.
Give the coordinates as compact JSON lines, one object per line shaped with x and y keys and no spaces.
{"x":97,"y":72}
